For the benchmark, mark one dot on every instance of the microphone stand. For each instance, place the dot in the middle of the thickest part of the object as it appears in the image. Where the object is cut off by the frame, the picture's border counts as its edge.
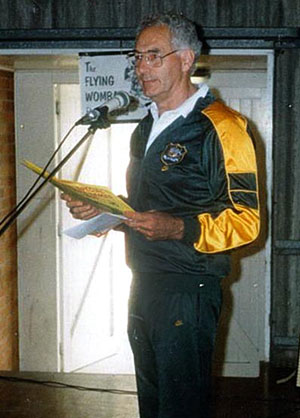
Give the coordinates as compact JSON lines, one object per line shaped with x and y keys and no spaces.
{"x":90,"y":132}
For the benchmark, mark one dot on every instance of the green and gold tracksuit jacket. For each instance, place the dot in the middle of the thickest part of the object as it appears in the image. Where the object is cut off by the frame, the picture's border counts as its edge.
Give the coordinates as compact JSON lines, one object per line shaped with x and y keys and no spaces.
{"x":201,"y":168}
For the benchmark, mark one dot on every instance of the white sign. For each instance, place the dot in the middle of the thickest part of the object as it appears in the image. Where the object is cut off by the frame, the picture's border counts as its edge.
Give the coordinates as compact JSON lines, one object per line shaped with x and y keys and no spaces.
{"x":101,"y":76}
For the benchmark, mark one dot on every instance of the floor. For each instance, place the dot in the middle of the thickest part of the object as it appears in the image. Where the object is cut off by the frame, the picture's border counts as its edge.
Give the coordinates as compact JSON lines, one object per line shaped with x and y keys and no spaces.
{"x":82,"y":396}
{"x":273,"y":395}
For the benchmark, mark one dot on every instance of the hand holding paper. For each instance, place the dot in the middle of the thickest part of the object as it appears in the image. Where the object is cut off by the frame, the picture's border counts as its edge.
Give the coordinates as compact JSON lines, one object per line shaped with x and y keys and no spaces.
{"x":80,"y":209}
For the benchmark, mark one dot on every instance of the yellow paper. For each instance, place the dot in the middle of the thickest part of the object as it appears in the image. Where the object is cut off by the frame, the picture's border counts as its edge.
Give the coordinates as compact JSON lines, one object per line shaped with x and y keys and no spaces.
{"x":99,"y":196}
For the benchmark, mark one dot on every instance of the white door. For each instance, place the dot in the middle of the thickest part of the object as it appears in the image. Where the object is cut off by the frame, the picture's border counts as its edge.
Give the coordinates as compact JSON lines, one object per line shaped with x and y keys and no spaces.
{"x":38,"y":294}
{"x":72,"y":294}
{"x":93,"y":275}
{"x":243,"y":338}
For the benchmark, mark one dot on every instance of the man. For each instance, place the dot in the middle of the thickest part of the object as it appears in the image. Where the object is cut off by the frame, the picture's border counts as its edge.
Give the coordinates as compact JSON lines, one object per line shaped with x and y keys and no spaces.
{"x":192,"y":181}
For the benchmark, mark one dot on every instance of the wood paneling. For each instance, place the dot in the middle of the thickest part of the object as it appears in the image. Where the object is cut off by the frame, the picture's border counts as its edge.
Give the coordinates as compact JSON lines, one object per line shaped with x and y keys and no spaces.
{"x":127,"y":13}
{"x":286,"y":208}
{"x":8,"y":255}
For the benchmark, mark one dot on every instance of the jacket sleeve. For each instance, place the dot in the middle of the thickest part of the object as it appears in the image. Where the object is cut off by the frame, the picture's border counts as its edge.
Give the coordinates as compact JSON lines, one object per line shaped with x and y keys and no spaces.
{"x":233,"y":182}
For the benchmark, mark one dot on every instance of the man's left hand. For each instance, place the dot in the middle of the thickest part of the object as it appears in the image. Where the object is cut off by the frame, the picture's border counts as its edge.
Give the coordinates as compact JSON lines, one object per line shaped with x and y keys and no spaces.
{"x":156,"y":225}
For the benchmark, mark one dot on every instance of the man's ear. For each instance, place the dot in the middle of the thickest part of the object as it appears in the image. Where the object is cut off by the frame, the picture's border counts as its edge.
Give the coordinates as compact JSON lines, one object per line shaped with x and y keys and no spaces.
{"x":187,"y":59}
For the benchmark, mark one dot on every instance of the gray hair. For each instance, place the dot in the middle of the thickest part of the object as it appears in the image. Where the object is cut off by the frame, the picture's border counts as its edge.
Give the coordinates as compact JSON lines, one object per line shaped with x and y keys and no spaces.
{"x":183,"y":30}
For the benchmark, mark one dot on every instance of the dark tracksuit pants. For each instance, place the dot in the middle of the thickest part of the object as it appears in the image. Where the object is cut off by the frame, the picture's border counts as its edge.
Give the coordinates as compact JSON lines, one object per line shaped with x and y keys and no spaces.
{"x":172,"y":326}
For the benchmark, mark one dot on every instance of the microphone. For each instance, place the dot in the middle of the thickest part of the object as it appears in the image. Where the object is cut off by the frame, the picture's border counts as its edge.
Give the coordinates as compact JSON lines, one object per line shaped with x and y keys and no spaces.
{"x":121,"y":100}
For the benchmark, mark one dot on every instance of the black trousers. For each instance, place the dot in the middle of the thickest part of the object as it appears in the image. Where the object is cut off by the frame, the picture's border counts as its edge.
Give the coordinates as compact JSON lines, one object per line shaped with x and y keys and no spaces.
{"x":172,"y":330}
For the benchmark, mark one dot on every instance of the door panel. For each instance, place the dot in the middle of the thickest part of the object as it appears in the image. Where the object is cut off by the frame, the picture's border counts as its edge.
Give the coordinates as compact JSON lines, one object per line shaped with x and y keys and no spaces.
{"x":92,"y":270}
{"x":243,"y":330}
{"x":37,"y":251}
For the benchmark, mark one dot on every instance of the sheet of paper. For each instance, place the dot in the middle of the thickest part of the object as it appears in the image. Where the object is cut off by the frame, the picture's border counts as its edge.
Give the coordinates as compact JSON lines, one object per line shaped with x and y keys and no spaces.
{"x":101,"y":223}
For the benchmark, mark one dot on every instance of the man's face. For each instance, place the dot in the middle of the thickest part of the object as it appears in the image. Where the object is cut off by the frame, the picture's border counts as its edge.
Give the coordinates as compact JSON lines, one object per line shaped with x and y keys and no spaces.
{"x":159,"y":83}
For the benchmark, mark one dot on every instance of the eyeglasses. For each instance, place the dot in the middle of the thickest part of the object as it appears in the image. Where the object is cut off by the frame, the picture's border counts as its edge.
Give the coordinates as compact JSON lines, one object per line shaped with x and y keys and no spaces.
{"x":152,"y":58}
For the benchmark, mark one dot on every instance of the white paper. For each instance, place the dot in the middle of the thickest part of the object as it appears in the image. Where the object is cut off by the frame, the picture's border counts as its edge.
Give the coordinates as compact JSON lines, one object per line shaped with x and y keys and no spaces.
{"x":101,"y":223}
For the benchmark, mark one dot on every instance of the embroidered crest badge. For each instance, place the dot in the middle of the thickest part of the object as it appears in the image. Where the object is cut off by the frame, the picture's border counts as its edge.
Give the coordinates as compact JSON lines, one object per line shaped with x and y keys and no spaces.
{"x":172,"y":154}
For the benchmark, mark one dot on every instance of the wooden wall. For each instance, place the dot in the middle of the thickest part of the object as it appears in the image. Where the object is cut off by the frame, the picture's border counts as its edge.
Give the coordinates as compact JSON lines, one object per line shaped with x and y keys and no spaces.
{"x":286,"y":209}
{"x":8,"y":256}
{"x":127,"y":13}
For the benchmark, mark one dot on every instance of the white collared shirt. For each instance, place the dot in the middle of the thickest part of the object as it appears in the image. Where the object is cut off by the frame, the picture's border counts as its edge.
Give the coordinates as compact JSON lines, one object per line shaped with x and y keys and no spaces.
{"x":162,"y":122}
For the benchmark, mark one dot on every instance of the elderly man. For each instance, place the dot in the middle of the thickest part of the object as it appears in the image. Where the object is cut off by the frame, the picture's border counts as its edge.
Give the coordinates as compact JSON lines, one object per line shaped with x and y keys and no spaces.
{"x":192,"y":180}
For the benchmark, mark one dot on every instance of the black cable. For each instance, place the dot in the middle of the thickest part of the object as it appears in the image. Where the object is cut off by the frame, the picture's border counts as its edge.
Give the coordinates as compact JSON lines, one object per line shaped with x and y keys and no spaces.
{"x":14,"y":216}
{"x":56,"y":384}
{"x":27,"y":195}
{"x":61,"y":385}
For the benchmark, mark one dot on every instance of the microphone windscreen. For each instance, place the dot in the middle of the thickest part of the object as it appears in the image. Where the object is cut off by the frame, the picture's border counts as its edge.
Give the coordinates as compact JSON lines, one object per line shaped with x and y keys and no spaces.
{"x":120,"y":100}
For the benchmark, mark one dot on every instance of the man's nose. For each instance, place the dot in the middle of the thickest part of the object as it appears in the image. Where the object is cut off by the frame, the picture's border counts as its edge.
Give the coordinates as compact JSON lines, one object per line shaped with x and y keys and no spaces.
{"x":142,"y":65}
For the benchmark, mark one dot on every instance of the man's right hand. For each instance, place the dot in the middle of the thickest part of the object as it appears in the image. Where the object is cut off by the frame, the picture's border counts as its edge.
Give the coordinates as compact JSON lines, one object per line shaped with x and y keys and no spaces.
{"x":79,"y":209}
